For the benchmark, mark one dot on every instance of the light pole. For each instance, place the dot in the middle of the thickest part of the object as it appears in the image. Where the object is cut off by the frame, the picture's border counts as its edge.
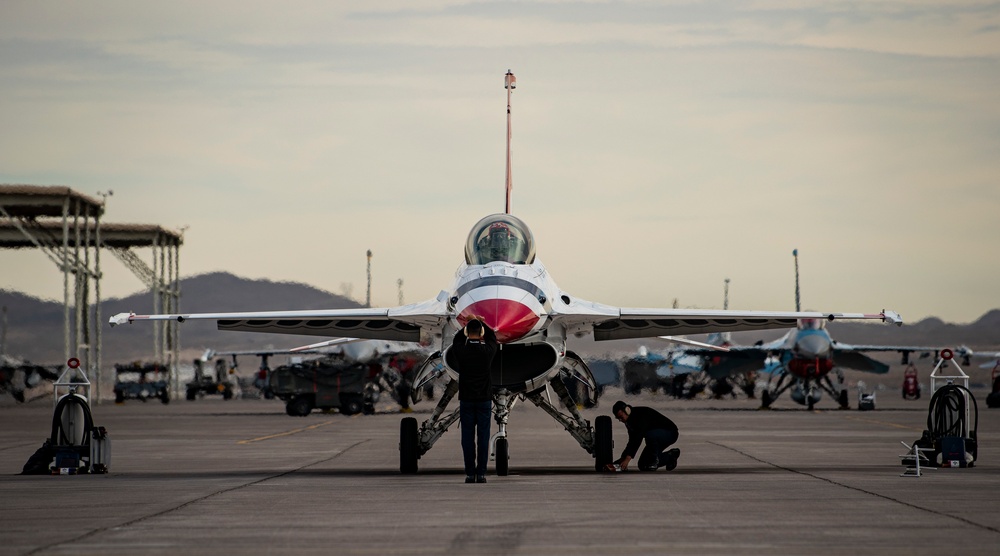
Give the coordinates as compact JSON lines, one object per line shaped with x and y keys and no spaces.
{"x":368,"y":295}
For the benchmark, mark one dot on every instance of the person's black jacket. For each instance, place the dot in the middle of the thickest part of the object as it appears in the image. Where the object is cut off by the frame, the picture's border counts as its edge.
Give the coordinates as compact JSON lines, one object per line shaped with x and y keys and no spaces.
{"x":640,"y":421}
{"x":473,"y":359}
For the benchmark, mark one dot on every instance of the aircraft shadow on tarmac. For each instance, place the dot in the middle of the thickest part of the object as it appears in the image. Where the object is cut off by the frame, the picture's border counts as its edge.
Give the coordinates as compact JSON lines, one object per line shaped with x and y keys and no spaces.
{"x":526,"y":472}
{"x":792,"y":409}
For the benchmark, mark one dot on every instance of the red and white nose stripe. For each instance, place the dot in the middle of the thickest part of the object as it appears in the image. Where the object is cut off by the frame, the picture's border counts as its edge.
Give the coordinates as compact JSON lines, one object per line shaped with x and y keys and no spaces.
{"x":510,"y":311}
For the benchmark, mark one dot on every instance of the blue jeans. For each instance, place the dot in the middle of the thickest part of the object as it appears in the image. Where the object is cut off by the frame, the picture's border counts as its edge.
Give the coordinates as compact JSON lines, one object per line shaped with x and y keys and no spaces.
{"x":474,"y":418}
{"x":657,"y":442}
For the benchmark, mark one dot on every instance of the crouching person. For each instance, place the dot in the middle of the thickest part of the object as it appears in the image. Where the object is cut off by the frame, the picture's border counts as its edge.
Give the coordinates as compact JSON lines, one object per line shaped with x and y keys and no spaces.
{"x":656,"y":429}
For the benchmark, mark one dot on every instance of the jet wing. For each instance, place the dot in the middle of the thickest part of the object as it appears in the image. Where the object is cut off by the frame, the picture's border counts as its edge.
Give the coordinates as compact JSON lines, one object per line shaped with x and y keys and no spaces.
{"x":858,"y":361}
{"x":403,"y":323}
{"x":863,"y":347}
{"x":960,"y":351}
{"x":43,"y":371}
{"x":619,"y":323}
{"x":739,"y":359}
{"x":262,"y":352}
{"x":741,"y":363}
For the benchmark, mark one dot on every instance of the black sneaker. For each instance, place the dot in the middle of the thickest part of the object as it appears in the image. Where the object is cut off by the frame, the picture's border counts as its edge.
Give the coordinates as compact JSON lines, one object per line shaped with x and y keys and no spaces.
{"x":469,"y":479}
{"x":481,"y":479}
{"x":671,"y":462}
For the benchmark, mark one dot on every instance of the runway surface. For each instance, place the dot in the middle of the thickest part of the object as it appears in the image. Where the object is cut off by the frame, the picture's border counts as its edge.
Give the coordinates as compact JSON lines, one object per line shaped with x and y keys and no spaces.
{"x":241,"y":477}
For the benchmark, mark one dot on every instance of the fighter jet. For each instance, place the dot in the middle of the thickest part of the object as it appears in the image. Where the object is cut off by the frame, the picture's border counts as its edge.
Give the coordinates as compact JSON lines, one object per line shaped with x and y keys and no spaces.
{"x":390,"y":366}
{"x":18,"y":376}
{"x":803,"y":360}
{"x":503,"y":281}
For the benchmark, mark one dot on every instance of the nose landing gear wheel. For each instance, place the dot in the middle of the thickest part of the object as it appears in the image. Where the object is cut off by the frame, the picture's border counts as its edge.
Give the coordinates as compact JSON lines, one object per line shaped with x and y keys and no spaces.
{"x":502,"y":457}
{"x":408,"y":445}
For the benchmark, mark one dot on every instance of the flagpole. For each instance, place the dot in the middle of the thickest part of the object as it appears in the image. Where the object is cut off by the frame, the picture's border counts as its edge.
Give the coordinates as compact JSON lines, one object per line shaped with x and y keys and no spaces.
{"x":509,"y":83}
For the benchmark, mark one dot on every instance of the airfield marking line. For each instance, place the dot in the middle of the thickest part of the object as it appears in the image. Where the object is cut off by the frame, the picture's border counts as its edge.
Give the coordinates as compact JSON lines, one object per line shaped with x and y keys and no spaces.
{"x":188,"y":503}
{"x":18,"y":446}
{"x":898,"y":426}
{"x":286,"y":433}
{"x":868,"y":492}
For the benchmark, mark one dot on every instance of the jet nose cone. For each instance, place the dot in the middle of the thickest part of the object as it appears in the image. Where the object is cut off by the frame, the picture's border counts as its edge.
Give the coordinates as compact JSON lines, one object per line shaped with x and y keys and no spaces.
{"x":509,"y":319}
{"x":813,"y":346}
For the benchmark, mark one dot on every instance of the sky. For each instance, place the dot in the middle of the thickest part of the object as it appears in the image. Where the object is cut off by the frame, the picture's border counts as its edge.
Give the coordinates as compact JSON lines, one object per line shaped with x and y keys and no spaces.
{"x":659,"y":148}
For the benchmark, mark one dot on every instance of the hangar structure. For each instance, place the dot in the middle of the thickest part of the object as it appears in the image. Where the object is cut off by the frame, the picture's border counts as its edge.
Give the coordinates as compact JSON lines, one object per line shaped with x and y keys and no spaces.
{"x":66,"y":226}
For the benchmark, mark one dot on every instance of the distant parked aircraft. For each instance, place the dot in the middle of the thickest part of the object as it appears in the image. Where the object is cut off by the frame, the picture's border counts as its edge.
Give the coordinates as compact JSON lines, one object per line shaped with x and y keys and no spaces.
{"x":803,"y":360}
{"x":18,"y":375}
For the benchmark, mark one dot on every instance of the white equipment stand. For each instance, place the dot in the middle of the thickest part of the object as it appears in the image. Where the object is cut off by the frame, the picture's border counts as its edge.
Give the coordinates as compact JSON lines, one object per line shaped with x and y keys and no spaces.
{"x":914,"y":453}
{"x":914,"y":456}
{"x":72,"y":380}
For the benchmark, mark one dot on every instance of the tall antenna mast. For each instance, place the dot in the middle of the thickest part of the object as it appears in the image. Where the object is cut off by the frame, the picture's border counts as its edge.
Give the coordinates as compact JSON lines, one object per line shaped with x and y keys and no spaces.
{"x":509,"y":83}
{"x":399,"y":284}
{"x":795,"y":253}
{"x":725,"y":296}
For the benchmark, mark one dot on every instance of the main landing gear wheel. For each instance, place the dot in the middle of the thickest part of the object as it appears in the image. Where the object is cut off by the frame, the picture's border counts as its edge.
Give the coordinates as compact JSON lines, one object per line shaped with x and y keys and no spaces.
{"x":503,"y":457}
{"x":844,"y":404}
{"x":765,"y":399}
{"x":408,"y":445}
{"x":603,"y":444}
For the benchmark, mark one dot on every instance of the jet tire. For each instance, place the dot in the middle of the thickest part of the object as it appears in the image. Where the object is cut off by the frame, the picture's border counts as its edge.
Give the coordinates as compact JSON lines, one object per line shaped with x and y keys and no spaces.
{"x":408,"y":440}
{"x":765,"y":399}
{"x":502,"y":457}
{"x":603,"y":443}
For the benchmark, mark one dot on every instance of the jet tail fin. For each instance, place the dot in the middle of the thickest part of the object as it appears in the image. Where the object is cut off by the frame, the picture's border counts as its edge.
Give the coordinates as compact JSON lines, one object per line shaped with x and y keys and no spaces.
{"x":509,"y":83}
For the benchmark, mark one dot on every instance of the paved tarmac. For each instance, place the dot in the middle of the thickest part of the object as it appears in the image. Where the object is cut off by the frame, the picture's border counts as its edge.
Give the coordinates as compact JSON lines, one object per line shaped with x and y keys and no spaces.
{"x":241,"y":477}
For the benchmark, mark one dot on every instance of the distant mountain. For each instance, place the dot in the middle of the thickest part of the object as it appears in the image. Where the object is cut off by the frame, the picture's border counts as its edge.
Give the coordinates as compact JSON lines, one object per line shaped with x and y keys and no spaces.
{"x":35,"y":326}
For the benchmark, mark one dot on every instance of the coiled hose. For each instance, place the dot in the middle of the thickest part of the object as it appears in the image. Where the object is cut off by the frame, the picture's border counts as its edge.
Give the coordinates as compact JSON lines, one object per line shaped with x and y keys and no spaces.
{"x":59,"y":436}
{"x":946,"y":416}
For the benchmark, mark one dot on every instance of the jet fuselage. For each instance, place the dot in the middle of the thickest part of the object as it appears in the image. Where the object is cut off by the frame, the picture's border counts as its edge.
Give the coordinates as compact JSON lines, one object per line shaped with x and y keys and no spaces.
{"x":811,"y":355}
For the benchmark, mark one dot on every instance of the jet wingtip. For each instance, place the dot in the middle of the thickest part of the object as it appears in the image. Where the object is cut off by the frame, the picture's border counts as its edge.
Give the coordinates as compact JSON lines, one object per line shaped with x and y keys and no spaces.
{"x":892,"y":317}
{"x":121,"y":318}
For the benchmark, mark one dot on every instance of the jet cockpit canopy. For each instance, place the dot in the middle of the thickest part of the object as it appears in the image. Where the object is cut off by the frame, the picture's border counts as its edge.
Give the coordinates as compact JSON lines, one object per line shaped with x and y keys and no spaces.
{"x":500,"y":238}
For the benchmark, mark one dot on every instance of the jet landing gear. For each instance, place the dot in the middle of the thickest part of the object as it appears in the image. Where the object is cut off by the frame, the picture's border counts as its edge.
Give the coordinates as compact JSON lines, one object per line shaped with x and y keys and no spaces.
{"x":597,"y":441}
{"x":499,"y":449}
{"x":768,"y":396}
{"x":805,"y":391}
{"x":839,"y":394}
{"x":415,"y":441}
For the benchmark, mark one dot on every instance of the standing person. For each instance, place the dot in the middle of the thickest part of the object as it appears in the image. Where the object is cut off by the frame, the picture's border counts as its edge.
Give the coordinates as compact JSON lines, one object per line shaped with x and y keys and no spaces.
{"x":474,"y":348}
{"x":659,"y":432}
